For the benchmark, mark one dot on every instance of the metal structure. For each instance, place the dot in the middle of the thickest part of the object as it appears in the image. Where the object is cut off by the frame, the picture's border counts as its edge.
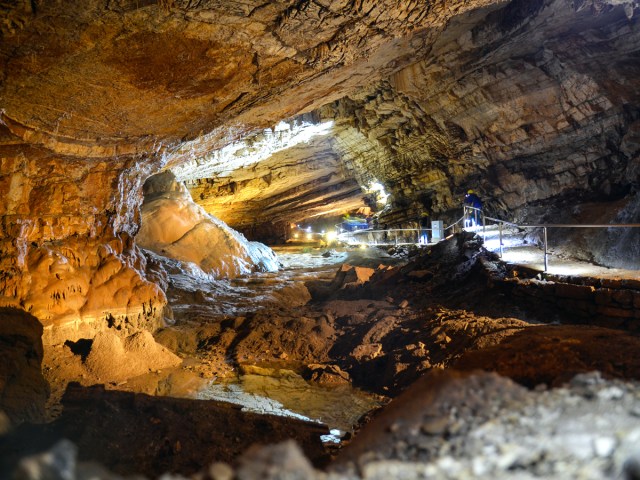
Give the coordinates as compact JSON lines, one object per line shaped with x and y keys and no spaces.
{"x":472,"y":219}
{"x":390,"y":237}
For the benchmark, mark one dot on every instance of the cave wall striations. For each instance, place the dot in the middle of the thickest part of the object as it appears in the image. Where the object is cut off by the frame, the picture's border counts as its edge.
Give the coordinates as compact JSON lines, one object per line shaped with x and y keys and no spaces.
{"x":290,"y":173}
{"x":525,"y":112}
{"x":66,"y":242}
{"x":531,"y":103}
{"x":126,"y":76}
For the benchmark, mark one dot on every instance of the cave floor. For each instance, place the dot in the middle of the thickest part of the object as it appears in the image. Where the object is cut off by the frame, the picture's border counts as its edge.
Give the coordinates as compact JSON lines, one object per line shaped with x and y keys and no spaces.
{"x":363,"y":333}
{"x":204,"y":308}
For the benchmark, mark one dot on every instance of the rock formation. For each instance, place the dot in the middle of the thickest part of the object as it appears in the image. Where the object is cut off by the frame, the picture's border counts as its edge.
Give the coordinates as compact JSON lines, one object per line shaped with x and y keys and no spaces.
{"x":174,"y":226}
{"x":23,"y":390}
{"x":269,"y":113}
{"x":68,"y":255}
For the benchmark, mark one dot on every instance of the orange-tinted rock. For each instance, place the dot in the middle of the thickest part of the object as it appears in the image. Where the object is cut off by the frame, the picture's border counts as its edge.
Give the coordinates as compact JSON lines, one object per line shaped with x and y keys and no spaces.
{"x":67,"y":251}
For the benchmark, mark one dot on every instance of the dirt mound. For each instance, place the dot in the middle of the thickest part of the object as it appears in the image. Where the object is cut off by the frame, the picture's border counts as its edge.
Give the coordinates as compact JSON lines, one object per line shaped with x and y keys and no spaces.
{"x":112,"y":360}
{"x":278,"y":335}
{"x":553,"y":354}
{"x":453,"y":425}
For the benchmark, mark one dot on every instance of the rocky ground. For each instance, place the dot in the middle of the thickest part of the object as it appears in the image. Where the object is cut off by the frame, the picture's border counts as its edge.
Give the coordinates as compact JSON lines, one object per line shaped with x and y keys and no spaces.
{"x":382,"y":323}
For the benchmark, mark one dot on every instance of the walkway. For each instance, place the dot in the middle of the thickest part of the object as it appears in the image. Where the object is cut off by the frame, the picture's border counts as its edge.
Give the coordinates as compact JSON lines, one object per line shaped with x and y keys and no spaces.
{"x":515,"y":248}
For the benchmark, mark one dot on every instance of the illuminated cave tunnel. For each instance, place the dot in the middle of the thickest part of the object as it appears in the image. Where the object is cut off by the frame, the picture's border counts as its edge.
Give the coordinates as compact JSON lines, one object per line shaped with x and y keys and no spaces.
{"x":170,"y":171}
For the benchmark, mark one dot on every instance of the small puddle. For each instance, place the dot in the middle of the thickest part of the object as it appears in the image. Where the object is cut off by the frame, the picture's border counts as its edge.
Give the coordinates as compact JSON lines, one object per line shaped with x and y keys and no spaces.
{"x":339,"y":407}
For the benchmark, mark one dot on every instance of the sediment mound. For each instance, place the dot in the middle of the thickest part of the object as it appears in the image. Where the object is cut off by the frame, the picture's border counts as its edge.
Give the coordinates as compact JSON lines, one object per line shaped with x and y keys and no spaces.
{"x":112,"y":359}
{"x":481,"y":425}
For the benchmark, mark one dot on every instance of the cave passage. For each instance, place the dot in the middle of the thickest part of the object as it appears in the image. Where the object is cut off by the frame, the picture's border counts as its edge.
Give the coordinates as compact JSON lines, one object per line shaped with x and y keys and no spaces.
{"x":213,"y":213}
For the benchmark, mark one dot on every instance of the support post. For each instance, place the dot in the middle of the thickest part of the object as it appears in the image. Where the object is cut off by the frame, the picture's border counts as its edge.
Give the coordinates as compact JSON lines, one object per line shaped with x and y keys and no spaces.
{"x":546,"y":263}
{"x":484,"y":228}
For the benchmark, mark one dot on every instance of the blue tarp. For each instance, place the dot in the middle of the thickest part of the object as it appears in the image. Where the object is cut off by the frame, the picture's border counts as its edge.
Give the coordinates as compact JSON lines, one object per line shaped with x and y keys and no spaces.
{"x":351,"y":225}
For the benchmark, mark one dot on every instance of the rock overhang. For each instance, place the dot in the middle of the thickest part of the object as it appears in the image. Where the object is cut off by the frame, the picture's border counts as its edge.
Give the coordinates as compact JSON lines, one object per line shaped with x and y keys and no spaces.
{"x":137,"y":74}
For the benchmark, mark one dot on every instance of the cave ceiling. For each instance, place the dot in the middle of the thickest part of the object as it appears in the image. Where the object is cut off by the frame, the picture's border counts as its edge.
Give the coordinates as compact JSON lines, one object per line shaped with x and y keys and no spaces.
{"x":523,"y":100}
{"x":138,"y":74}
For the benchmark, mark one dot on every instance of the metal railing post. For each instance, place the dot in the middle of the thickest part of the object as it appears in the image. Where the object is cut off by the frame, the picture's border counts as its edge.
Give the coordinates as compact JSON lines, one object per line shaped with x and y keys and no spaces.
{"x":500,"y":224}
{"x":484,"y":227}
{"x":546,"y":263}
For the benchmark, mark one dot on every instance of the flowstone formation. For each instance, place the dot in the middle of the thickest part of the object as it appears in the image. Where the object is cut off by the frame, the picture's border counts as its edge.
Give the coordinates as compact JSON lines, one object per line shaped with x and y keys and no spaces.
{"x":174,"y":226}
{"x":67,"y":254}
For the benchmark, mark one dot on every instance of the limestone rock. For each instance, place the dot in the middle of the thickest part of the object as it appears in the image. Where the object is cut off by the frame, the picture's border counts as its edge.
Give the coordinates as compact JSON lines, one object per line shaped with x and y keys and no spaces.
{"x":174,"y":226}
{"x":68,"y":256}
{"x":287,"y":459}
{"x":112,"y":360}
{"x":328,"y":374}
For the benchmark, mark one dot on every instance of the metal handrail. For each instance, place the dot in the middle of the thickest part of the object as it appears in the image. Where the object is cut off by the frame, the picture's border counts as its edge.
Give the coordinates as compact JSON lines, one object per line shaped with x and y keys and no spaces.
{"x":397,"y":232}
{"x":544,"y":227}
{"x":466,"y":216}
{"x":460,"y":220}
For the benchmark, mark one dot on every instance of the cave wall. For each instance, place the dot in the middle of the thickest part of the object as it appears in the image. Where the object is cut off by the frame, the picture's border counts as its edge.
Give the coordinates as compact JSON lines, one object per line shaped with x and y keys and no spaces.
{"x":67,"y":254}
{"x":120,"y":76}
{"x":532,"y":104}
{"x":538,"y":102}
{"x":277,"y":177}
